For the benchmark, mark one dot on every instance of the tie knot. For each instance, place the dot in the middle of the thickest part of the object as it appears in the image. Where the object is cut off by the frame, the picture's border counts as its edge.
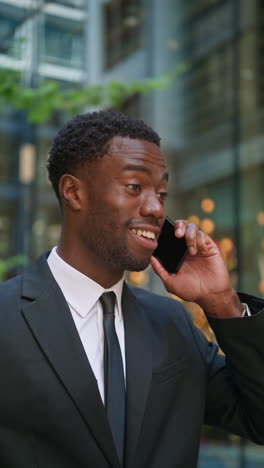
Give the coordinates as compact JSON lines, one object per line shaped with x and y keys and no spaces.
{"x":108,"y":302}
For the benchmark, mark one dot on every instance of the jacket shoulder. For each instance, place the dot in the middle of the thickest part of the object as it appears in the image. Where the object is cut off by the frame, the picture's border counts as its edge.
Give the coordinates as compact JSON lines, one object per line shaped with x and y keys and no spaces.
{"x":153,"y":298}
{"x":10,"y":288}
{"x":158,"y":305}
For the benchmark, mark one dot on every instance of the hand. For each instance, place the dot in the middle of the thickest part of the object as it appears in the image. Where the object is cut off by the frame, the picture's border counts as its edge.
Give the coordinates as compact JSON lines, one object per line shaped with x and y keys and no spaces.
{"x":203,"y":277}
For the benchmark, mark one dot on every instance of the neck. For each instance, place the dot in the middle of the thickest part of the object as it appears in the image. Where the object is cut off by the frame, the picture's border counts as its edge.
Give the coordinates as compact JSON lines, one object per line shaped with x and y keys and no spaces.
{"x":88,"y":265}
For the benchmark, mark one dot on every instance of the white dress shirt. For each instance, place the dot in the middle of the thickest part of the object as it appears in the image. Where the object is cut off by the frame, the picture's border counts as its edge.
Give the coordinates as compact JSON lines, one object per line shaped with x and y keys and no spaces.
{"x":82,"y":295}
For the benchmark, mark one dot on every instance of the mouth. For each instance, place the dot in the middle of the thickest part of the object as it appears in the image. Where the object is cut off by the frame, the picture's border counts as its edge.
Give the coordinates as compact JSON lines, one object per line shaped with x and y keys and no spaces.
{"x":145,"y":237}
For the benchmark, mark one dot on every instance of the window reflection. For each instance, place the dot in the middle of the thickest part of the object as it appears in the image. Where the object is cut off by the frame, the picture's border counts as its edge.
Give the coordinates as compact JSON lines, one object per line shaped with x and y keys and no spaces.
{"x":123,"y":21}
{"x":63,"y":42}
{"x":12,"y":31}
{"x":71,"y":3}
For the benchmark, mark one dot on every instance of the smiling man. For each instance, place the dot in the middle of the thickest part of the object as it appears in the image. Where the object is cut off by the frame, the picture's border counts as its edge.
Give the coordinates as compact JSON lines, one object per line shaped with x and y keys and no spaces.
{"x":96,"y":373}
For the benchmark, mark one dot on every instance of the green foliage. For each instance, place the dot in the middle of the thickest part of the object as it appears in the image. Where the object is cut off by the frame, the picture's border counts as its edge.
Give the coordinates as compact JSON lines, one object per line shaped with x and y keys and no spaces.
{"x":10,"y":263}
{"x":42,"y":102}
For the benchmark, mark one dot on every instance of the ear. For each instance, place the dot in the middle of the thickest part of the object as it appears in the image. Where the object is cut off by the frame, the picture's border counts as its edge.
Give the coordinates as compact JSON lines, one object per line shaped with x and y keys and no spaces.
{"x":70,"y":191}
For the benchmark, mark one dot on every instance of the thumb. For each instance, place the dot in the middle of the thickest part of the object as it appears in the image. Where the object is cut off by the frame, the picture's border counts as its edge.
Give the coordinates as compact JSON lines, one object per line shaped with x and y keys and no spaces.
{"x":159,"y":269}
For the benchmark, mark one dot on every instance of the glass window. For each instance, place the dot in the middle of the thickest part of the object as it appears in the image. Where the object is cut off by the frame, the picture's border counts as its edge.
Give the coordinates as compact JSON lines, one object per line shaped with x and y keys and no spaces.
{"x":209,"y":92}
{"x":122,"y":29}
{"x":186,"y":10}
{"x":63,"y":42}
{"x":12,"y":31}
{"x":71,"y":3}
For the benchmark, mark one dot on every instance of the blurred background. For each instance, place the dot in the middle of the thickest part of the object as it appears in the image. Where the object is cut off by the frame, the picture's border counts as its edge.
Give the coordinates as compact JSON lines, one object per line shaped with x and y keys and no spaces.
{"x":193,"y":69}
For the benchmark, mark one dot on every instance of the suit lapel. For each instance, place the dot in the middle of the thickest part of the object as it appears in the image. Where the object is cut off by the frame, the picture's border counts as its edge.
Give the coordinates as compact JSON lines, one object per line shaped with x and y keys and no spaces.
{"x":138,"y":368}
{"x":50,"y":320}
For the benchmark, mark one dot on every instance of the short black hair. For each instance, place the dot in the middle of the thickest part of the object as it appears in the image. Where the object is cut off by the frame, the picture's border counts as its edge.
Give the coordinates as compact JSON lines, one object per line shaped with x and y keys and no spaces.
{"x":86,"y":137}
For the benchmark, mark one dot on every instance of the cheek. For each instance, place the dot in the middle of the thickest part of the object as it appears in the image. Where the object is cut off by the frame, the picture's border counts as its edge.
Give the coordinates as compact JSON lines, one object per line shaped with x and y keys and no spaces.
{"x":118,"y":199}
{"x":113,"y":202}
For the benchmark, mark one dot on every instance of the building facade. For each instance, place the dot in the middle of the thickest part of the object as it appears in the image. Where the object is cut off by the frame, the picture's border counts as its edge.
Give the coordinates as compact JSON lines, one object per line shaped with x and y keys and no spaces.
{"x":210,"y":121}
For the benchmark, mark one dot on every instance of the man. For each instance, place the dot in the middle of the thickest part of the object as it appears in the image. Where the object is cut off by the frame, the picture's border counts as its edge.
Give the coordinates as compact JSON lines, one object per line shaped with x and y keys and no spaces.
{"x":86,"y":382}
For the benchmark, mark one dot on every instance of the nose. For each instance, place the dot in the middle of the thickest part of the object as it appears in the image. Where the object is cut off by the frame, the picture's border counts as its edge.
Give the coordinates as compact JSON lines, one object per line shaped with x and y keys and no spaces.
{"x":152,"y":205}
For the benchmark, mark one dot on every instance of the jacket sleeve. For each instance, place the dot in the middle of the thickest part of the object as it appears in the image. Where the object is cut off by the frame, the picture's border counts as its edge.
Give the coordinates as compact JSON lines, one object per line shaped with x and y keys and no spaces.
{"x":235,"y":390}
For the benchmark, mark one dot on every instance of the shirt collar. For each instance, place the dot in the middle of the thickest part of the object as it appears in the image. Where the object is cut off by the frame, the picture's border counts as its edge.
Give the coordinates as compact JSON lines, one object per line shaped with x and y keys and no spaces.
{"x":80,"y":291}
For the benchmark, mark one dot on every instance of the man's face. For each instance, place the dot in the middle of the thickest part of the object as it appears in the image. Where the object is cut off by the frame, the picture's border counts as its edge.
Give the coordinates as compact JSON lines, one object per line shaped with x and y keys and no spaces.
{"x":123,"y":211}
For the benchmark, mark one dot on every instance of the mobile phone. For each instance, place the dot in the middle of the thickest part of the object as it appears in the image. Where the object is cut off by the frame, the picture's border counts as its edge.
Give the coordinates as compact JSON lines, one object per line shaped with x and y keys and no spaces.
{"x":171,"y":250}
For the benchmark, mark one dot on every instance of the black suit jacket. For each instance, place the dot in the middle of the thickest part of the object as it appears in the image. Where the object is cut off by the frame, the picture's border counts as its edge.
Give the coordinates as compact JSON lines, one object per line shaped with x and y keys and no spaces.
{"x":51,"y":414}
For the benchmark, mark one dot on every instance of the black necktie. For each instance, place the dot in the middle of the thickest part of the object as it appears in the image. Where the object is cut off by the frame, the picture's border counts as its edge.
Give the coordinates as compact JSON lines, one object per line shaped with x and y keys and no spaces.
{"x":114,"y":382}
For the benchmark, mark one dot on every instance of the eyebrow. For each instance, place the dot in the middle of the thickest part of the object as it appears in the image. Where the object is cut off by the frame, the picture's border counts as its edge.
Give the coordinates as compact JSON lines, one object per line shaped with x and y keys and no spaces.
{"x":132,"y":167}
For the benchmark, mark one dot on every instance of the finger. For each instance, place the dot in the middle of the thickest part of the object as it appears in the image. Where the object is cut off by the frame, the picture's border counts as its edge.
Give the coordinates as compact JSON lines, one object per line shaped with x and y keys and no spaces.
{"x":201,"y":242}
{"x":180,"y":227}
{"x":159,"y":269}
{"x":191,"y":238}
{"x":206,"y":245}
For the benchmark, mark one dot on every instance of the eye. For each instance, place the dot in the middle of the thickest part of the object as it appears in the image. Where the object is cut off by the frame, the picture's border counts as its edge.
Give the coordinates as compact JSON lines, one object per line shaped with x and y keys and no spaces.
{"x":163,"y":195}
{"x":134,"y":187}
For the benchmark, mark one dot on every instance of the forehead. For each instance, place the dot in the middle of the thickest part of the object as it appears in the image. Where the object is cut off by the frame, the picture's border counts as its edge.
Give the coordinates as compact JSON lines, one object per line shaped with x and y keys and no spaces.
{"x":123,"y":150}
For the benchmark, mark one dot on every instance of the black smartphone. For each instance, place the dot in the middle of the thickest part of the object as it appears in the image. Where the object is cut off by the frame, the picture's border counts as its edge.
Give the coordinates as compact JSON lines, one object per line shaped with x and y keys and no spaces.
{"x":171,"y":250}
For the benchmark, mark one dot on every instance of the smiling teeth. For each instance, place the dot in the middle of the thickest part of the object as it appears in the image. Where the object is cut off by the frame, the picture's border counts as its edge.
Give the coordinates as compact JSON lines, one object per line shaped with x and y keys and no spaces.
{"x":148,"y":234}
